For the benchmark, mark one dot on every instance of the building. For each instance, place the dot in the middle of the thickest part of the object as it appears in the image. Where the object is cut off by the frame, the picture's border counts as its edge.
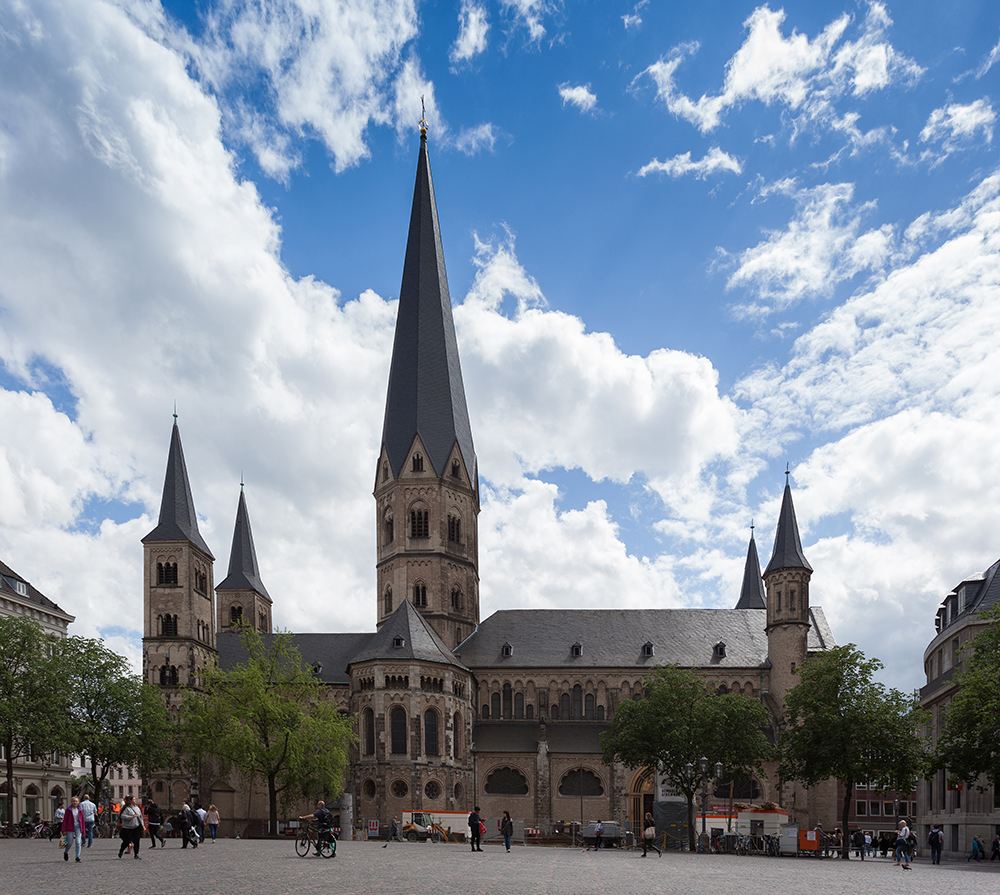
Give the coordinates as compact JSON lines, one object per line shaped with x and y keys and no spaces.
{"x":453,"y":710}
{"x":961,"y":813}
{"x":42,"y":780}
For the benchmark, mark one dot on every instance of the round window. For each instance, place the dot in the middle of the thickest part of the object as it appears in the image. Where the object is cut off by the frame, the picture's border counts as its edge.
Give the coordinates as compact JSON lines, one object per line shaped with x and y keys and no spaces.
{"x":400,"y":789}
{"x":369,"y":789}
{"x":432,"y":790}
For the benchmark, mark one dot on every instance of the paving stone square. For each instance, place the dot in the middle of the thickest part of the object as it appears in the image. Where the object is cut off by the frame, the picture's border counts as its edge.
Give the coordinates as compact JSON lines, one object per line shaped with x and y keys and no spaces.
{"x":256,"y":867}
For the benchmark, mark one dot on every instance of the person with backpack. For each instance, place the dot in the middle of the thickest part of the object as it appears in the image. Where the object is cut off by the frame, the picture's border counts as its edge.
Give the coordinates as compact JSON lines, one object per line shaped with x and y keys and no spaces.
{"x":935,"y":840}
{"x":154,"y":816}
{"x":475,"y":829}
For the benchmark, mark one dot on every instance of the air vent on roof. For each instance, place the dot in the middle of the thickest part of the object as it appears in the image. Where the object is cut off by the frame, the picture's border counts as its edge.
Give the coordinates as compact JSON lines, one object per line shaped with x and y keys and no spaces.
{"x":576,"y":651}
{"x":506,"y":651}
{"x":398,"y":642}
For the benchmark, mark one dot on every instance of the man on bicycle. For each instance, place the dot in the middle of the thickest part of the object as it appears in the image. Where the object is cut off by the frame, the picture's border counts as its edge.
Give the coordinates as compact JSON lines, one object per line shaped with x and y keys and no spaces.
{"x":324,"y":821}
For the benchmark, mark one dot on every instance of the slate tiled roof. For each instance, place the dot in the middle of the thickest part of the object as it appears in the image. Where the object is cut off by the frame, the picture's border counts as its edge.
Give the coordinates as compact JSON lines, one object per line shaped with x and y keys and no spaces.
{"x":752,"y":593}
{"x":244,"y":573}
{"x":787,"y":553}
{"x":8,"y":586}
{"x":419,"y":640}
{"x":426,"y":396}
{"x":614,"y":638}
{"x":178,"y":519}
{"x":523,"y":736}
{"x":331,"y":652}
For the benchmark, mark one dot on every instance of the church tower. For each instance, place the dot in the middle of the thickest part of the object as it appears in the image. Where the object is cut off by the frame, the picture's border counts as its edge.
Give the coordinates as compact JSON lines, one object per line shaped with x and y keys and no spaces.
{"x":242,"y":597}
{"x":752,"y":594}
{"x":178,"y":616}
{"x":787,"y":581}
{"x":427,"y":480}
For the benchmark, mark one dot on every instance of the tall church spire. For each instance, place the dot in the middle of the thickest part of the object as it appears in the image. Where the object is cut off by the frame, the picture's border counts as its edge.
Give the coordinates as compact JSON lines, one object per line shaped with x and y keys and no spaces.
{"x":787,"y":552}
{"x":426,"y":397}
{"x":178,"y":520}
{"x":752,"y":594}
{"x":244,"y":573}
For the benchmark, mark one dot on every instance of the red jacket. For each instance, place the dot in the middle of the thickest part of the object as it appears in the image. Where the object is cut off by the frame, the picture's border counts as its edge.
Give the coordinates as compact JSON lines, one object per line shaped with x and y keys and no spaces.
{"x":68,"y":824}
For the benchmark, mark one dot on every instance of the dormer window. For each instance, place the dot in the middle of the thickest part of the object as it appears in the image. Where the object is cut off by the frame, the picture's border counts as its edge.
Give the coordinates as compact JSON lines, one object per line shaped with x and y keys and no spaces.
{"x":719,"y":651}
{"x":385,"y":472}
{"x":21,"y":587}
{"x":418,"y":463}
{"x":576,"y":650}
{"x":398,"y":642}
{"x":506,"y":651}
{"x":456,"y":469}
{"x":647,"y":650}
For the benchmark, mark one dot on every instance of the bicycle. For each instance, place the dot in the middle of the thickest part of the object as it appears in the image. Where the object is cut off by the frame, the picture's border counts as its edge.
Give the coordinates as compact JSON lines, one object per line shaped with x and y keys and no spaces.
{"x":322,"y":841}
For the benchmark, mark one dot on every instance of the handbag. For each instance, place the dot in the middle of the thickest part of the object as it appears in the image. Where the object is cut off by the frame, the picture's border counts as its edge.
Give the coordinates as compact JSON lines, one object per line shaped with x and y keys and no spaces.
{"x":62,"y":841}
{"x":482,"y":828}
{"x":648,"y":833}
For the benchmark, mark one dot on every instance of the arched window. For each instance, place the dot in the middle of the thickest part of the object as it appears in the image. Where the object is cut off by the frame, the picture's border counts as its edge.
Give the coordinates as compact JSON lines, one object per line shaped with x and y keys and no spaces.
{"x":160,"y":576}
{"x":458,"y":734}
{"x":420,"y":595}
{"x":564,"y":707}
{"x":385,"y":472}
{"x":430,"y":732}
{"x":486,"y":712}
{"x":454,"y":529}
{"x":588,"y":707}
{"x":518,"y":706}
{"x":577,"y":702}
{"x":368,"y":725}
{"x":495,"y":706}
{"x":554,"y":712}
{"x":506,"y":782}
{"x":390,"y":530}
{"x":174,"y":679}
{"x":235,"y":616}
{"x":456,"y":469}
{"x":529,"y":712}
{"x":164,"y":676}
{"x":397,"y":725}
{"x":600,"y":713}
{"x":456,"y":598}
{"x":508,"y":703}
{"x":170,"y":626}
{"x":579,"y":782}
{"x":387,"y":601}
{"x":170,"y":573}
{"x":419,"y":525}
{"x":418,"y":463}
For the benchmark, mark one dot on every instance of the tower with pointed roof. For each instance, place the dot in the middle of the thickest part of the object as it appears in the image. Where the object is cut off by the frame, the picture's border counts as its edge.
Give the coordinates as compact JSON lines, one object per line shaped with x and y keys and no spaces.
{"x":752,"y":593}
{"x":786,"y":579}
{"x":241,"y":598}
{"x":427,"y":483}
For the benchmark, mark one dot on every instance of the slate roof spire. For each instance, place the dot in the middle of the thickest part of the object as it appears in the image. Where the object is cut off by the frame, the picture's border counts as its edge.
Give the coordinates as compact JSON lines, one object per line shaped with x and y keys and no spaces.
{"x":244,"y":573}
{"x":787,"y":552}
{"x":178,"y":520}
{"x":752,"y":594}
{"x":426,"y":396}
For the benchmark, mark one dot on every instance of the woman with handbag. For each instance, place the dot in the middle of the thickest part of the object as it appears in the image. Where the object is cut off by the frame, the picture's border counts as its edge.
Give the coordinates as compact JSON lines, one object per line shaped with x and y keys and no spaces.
{"x":131,"y":827}
{"x":649,"y":835}
{"x":73,"y":826}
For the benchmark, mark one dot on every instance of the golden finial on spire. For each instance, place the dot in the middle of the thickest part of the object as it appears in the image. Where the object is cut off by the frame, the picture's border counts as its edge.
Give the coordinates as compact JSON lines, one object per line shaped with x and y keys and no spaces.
{"x":423,"y":118}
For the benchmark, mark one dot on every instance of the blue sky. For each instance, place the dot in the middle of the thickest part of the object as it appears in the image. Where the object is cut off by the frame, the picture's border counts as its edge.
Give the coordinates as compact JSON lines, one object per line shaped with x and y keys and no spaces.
{"x":687,"y":244}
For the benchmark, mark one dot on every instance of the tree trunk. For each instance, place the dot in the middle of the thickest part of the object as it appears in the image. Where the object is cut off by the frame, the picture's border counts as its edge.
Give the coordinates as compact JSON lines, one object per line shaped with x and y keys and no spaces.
{"x":729,"y":818}
{"x":272,"y":804}
{"x":691,"y":820}
{"x":10,"y":784}
{"x":845,"y":812}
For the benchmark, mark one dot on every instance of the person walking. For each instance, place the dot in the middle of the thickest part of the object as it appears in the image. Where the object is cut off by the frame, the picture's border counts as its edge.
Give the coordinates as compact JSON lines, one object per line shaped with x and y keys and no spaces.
{"x":394,"y":835}
{"x":131,"y":831}
{"x":73,"y":826}
{"x":324,"y":824}
{"x":995,"y":854}
{"x":186,"y":821}
{"x":935,"y":839}
{"x":475,"y":829}
{"x":89,"y":810}
{"x":902,"y":856}
{"x":200,"y":813}
{"x":212,"y":819}
{"x":858,"y":840}
{"x":598,"y":834}
{"x":57,"y":819}
{"x":154,"y":815}
{"x":649,"y":835}
{"x":506,"y":829}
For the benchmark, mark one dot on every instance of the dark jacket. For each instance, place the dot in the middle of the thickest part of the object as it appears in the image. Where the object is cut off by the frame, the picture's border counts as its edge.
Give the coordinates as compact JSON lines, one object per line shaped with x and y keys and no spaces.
{"x":474,"y":821}
{"x":155,"y":814}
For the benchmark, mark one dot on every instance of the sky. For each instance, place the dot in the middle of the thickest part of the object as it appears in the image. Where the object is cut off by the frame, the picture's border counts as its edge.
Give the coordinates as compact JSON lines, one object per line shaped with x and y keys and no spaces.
{"x":688,"y":245}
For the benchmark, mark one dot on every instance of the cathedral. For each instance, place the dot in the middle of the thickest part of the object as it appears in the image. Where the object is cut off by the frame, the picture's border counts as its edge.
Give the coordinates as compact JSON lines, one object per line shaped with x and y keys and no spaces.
{"x":452,"y":711}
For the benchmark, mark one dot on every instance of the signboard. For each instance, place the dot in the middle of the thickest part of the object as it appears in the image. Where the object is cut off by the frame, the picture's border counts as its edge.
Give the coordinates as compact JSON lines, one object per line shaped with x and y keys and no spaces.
{"x":373,"y":828}
{"x":665,"y":791}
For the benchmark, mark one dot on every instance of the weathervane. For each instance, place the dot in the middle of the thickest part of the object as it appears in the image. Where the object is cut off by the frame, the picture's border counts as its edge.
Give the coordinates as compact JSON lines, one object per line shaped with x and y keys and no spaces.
{"x":175,"y":410}
{"x":751,"y":526}
{"x":787,"y":472}
{"x":423,"y":118}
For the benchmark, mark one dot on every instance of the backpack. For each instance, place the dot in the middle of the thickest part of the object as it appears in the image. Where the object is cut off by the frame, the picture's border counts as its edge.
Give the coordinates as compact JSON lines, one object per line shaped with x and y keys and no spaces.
{"x":934,"y":838}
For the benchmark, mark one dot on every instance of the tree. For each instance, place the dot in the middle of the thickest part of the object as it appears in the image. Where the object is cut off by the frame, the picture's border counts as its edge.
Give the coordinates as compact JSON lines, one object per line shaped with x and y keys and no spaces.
{"x":840,"y":723}
{"x":270,"y":719}
{"x":970,"y":741}
{"x":114,"y":718}
{"x":679,"y":720}
{"x":32,"y":695}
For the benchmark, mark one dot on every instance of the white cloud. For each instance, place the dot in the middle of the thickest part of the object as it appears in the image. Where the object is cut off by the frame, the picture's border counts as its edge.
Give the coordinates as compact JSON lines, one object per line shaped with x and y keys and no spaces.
{"x":989,"y":61}
{"x":956,"y":127}
{"x":472,"y":140}
{"x":473,"y":27}
{"x":802,"y":75}
{"x":528,"y":14}
{"x":633,"y":19}
{"x":716,"y":160}
{"x":822,"y":246}
{"x":579,"y":96}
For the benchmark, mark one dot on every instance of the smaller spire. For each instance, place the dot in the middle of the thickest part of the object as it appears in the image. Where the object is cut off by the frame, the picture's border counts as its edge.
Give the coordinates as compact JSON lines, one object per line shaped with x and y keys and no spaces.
{"x":244,"y":574}
{"x":752,"y":593}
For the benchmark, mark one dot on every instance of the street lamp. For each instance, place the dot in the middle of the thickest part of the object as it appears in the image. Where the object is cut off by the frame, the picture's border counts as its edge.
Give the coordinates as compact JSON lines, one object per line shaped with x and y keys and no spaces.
{"x":703,"y":767}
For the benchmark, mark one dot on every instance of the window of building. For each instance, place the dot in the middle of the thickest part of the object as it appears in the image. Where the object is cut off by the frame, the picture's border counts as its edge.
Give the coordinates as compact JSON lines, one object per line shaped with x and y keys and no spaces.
{"x":600,"y":713}
{"x":456,"y":469}
{"x":529,"y":712}
{"x":565,"y":709}
{"x":159,"y":786}
{"x":508,"y":702}
{"x":399,"y":789}
{"x":861,"y":809}
{"x":369,"y":789}
{"x":419,"y":525}
{"x":456,"y":599}
{"x":554,"y":712}
{"x":779,"y":601}
{"x":235,"y":616}
{"x":577,"y":702}
{"x":576,"y":650}
{"x":368,"y":730}
{"x":166,"y":573}
{"x":518,"y":706}
{"x":581,"y":782}
{"x":495,"y":706}
{"x":397,"y":726}
{"x":262,"y":622}
{"x":506,"y":651}
{"x":387,"y":601}
{"x":588,"y":707}
{"x":458,"y":734}
{"x":431,"y":732}
{"x":432,"y":790}
{"x":486,"y":712}
{"x":21,"y":587}
{"x":390,"y":530}
{"x":418,"y":463}
{"x":791,"y":600}
{"x":398,"y":642}
{"x":170,"y":626}
{"x":647,"y":649}
{"x":455,"y":529}
{"x":506,"y":782}
{"x":420,"y":595}
{"x":719,"y":651}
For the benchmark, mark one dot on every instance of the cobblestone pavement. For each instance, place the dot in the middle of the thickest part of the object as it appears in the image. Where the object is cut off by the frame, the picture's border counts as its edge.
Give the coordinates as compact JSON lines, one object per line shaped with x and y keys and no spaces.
{"x":250,"y":867}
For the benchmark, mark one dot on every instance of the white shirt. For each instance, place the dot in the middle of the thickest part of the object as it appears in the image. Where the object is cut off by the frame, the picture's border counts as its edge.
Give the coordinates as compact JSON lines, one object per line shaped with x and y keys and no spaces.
{"x":89,"y":810}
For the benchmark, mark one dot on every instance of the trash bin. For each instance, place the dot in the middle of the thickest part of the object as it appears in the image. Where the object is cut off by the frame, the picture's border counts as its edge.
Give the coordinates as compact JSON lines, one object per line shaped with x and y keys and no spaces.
{"x":729,"y":843}
{"x":629,"y":839}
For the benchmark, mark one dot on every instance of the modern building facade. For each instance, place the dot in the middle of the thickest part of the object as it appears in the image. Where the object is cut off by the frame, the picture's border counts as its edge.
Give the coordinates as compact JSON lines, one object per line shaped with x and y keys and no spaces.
{"x":962,"y":811}
{"x":453,"y":710}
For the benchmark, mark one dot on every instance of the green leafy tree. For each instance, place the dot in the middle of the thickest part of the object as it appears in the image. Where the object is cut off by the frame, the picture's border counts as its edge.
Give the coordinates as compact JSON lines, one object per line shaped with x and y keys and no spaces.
{"x":841,"y":723}
{"x":114,"y":719}
{"x":32,"y":696}
{"x":970,"y":741}
{"x":679,"y":720}
{"x":270,"y":720}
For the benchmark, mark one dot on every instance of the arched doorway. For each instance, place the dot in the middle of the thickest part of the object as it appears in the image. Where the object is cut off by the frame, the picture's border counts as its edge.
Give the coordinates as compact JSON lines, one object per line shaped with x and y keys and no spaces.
{"x":642,"y":792}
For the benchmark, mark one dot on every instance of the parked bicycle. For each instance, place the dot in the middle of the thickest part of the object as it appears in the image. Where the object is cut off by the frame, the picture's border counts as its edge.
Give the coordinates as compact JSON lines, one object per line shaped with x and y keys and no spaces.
{"x":312,"y":839}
